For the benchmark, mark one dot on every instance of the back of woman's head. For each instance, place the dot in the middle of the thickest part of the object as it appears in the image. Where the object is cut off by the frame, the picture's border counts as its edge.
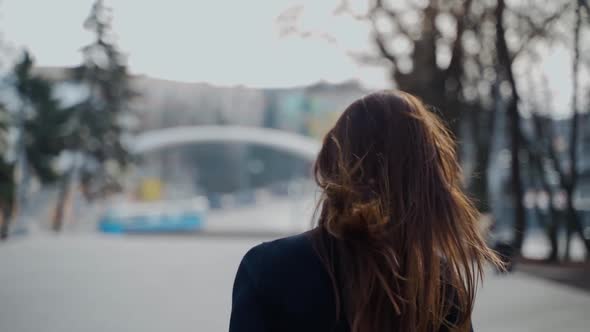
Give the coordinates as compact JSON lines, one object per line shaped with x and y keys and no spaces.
{"x":406,"y":242}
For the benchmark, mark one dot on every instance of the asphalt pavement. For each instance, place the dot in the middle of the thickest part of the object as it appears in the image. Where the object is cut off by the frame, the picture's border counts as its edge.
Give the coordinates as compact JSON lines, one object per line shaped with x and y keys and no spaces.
{"x":97,"y":283}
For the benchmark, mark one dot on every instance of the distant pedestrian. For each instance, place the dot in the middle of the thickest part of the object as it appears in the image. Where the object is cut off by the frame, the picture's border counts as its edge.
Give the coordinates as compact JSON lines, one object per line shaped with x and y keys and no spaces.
{"x":397,"y":245}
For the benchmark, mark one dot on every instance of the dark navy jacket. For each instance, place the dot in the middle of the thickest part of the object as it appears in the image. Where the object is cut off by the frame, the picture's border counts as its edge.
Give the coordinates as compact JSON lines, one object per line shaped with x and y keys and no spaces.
{"x":283,"y":286}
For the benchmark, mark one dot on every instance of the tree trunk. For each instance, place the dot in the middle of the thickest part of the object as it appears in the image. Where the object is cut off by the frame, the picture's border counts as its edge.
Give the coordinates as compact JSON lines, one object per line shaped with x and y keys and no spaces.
{"x":574,"y":225}
{"x":479,"y":183}
{"x":505,"y":60}
{"x":482,"y":132}
{"x":571,"y":215}
{"x":549,"y":221}
{"x":4,"y":221}
{"x":573,"y":222}
{"x":552,"y":235}
{"x":64,"y":191}
{"x":516,"y":179}
{"x":568,"y":239}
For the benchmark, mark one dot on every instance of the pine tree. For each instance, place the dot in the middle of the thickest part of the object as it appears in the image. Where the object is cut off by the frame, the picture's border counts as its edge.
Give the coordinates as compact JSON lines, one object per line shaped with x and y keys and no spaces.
{"x":44,"y":122}
{"x":99,"y":136}
{"x":104,"y":72}
{"x":41,"y":126}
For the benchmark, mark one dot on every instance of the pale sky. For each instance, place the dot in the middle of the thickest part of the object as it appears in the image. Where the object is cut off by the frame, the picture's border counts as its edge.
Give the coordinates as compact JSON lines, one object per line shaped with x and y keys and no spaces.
{"x":224,"y":42}
{"x":218,"y":41}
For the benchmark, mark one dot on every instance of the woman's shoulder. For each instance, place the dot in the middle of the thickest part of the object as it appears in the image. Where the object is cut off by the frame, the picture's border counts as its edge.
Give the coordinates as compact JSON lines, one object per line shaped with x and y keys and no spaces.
{"x":285,"y":262}
{"x":287,"y":273}
{"x":288,"y":283}
{"x":284,"y":251}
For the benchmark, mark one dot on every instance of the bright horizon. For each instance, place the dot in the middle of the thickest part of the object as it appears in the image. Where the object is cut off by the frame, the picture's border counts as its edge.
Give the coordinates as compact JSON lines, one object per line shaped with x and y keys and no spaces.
{"x":192,"y":41}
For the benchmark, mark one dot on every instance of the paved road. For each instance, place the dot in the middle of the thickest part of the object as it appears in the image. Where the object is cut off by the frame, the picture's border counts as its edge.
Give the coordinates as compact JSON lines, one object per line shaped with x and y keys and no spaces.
{"x":127,"y":284}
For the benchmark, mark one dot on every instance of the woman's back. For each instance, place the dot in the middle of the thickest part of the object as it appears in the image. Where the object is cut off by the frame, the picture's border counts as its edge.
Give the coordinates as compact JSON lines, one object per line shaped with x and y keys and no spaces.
{"x":283,"y":286}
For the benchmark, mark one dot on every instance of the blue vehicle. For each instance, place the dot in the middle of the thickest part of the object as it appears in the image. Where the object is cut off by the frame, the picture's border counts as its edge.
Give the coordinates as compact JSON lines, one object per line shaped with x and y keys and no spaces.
{"x":163,"y":216}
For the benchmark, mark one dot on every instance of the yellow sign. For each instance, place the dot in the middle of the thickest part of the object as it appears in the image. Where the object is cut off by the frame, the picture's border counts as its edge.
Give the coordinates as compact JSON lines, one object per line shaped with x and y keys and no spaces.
{"x":150,"y":190}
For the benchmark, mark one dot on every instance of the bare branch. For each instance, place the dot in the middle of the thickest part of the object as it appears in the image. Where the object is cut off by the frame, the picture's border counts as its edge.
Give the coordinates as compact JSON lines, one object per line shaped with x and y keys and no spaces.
{"x":537,"y":30}
{"x":545,"y":133}
{"x":343,"y":8}
{"x":383,"y":50}
{"x":543,"y":130}
{"x":378,"y":36}
{"x":393,"y":15}
{"x":455,"y":67}
{"x":368,"y":59}
{"x":575,"y":110}
{"x":586,"y":5}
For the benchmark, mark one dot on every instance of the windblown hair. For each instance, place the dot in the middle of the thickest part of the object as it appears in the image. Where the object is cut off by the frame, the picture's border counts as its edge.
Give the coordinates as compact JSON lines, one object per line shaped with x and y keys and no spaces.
{"x":396,"y":232}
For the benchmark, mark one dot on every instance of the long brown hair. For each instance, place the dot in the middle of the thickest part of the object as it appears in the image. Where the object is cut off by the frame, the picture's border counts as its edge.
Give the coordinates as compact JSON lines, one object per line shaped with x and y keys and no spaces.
{"x":397,"y":233}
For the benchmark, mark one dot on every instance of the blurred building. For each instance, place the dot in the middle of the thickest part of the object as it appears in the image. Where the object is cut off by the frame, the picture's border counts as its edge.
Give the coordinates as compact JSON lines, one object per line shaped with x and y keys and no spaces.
{"x":219,"y":168}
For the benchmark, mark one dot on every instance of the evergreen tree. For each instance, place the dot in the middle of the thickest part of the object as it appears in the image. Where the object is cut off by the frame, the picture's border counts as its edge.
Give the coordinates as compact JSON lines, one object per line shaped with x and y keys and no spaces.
{"x":101,"y":115}
{"x":41,"y":126}
{"x":98,"y":140}
{"x":44,"y":123}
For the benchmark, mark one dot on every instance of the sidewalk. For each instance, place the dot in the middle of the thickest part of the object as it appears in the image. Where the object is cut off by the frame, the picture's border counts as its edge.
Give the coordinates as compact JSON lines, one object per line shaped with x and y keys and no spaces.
{"x":521,"y":303}
{"x":97,"y":283}
{"x":571,"y":274}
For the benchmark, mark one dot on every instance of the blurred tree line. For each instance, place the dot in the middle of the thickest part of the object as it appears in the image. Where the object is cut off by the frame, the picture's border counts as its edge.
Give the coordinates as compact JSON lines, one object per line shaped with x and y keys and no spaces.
{"x":461,"y":57}
{"x":80,"y":146}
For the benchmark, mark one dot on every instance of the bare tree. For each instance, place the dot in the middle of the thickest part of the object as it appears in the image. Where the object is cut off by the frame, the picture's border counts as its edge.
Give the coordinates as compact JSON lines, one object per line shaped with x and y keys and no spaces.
{"x":569,"y":175}
{"x":541,"y":146}
{"x":441,"y":52}
{"x":460,"y":56}
{"x":505,"y":61}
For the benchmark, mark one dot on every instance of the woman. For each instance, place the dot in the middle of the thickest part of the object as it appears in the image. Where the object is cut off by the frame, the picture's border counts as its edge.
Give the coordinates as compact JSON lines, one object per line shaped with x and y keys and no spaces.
{"x":396,"y":247}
